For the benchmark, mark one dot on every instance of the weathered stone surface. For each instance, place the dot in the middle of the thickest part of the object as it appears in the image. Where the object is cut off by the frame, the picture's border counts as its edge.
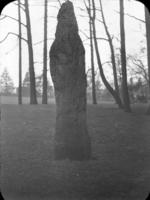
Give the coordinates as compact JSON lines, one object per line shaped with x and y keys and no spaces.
{"x":67,"y":66}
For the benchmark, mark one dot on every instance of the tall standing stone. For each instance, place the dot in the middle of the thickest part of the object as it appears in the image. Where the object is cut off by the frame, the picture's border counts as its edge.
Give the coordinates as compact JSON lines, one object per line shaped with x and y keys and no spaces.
{"x":67,"y":66}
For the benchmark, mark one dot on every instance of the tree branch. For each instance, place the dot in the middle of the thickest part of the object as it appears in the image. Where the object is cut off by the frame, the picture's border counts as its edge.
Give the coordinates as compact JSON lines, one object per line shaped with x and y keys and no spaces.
{"x":107,"y":62}
{"x":136,"y":18}
{"x":7,"y":16}
{"x":83,"y":16}
{"x":42,"y":41}
{"x":59,"y":3}
{"x":102,"y":39}
{"x":21,"y":6}
{"x":87,"y":8}
{"x":11,"y":33}
{"x":141,"y":67}
{"x":3,"y":18}
{"x":84,"y":34}
{"x":52,"y":17}
{"x":81,"y":9}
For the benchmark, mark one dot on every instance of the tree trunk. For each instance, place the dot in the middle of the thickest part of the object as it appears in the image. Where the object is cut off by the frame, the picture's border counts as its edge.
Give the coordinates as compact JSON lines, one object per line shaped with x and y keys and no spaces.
{"x":92,"y":58}
{"x":67,"y":66}
{"x":125,"y":94}
{"x":33,"y":99}
{"x":92,"y":67}
{"x":147,"y":22}
{"x":44,"y":95}
{"x":107,"y":85}
{"x":20,"y":56}
{"x":112,"y":55}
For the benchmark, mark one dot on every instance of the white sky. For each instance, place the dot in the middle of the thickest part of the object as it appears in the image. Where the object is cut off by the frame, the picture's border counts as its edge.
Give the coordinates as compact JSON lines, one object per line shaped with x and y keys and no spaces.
{"x":9,"y":49}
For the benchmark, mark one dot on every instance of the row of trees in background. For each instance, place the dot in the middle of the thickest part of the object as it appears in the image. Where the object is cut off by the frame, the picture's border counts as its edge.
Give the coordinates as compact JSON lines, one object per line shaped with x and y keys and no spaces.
{"x":33,"y":94}
{"x":121,"y":95}
{"x":8,"y":88}
{"x":120,"y":91}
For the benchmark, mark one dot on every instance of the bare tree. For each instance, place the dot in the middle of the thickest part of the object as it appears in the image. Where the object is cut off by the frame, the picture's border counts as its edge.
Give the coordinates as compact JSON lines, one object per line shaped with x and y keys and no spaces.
{"x":44,"y":93}
{"x":138,"y":68}
{"x":19,"y":35}
{"x":20,"y":56}
{"x":112,"y":53}
{"x":125,"y":93}
{"x":33,"y":98}
{"x":147,"y":21}
{"x":106,"y":83}
{"x":92,"y":57}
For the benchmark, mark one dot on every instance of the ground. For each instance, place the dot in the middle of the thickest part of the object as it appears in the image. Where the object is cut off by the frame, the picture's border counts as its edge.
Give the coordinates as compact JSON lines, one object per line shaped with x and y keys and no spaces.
{"x":120,"y":168}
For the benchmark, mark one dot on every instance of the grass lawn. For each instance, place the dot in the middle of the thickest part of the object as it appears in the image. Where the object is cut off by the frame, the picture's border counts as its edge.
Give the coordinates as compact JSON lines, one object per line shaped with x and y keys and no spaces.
{"x":120,"y":143}
{"x":25,"y":100}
